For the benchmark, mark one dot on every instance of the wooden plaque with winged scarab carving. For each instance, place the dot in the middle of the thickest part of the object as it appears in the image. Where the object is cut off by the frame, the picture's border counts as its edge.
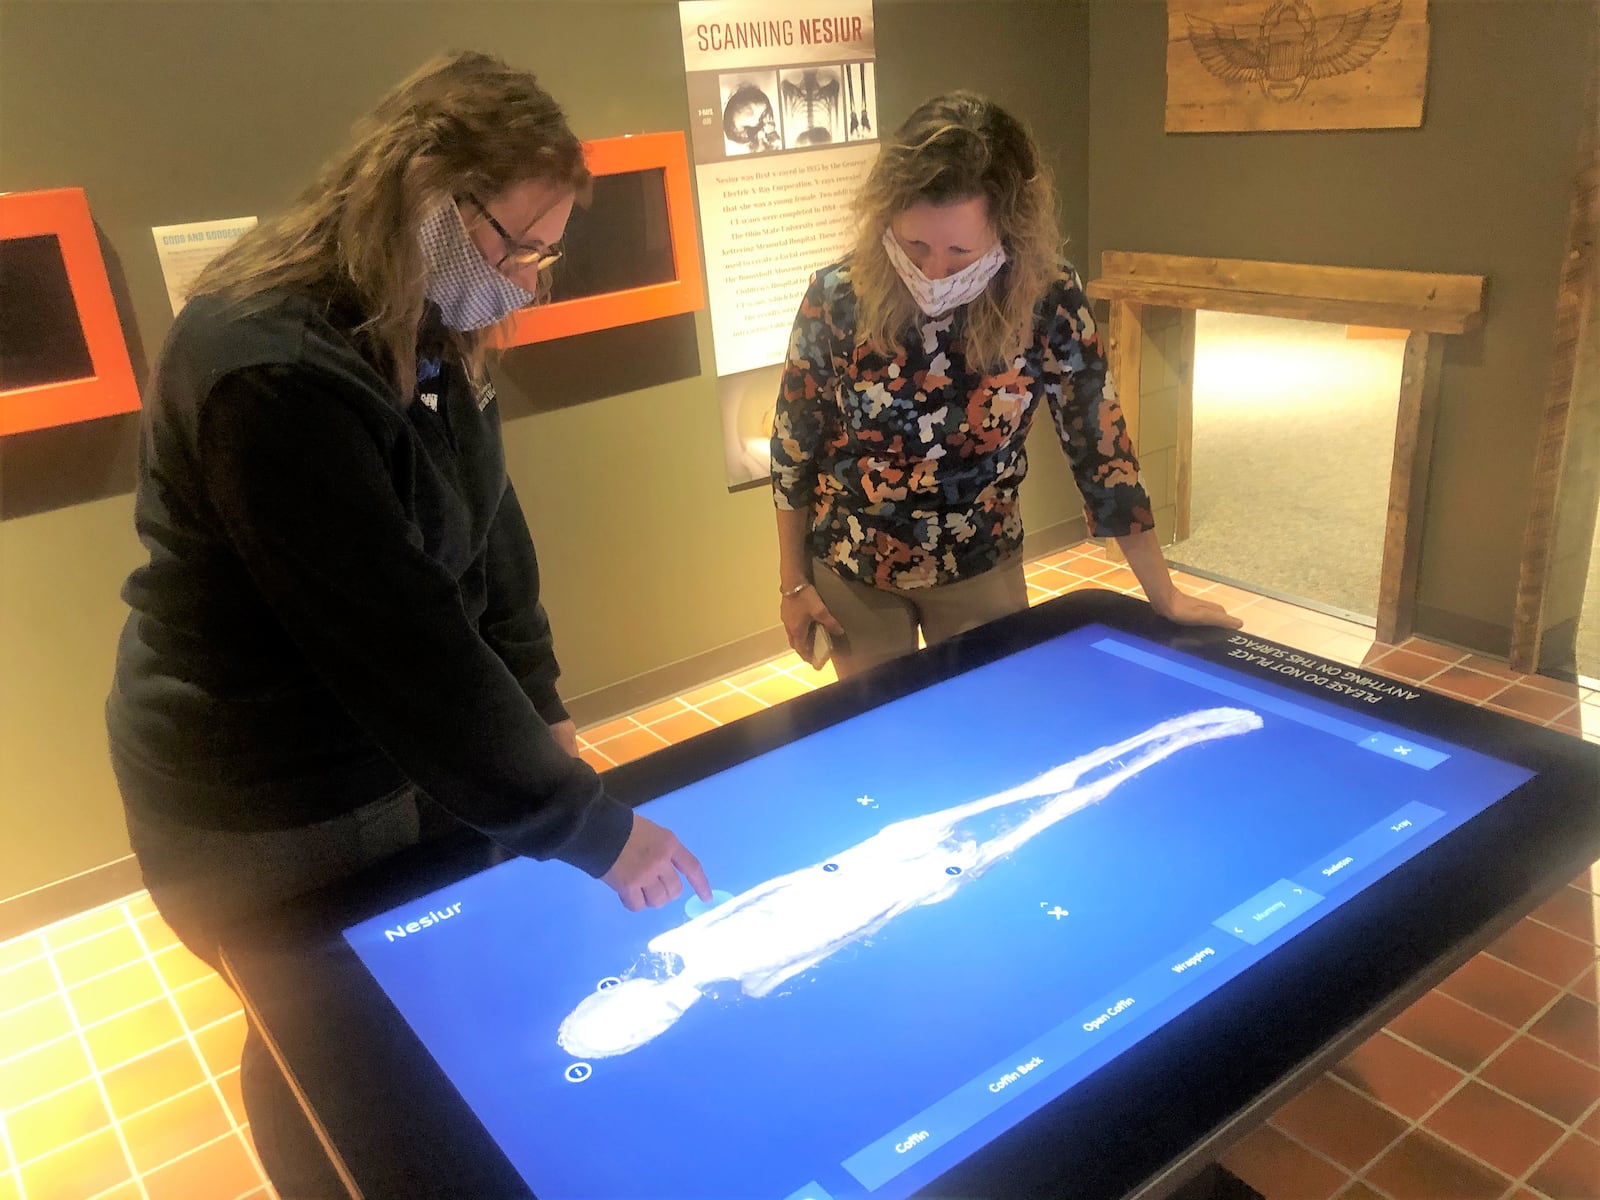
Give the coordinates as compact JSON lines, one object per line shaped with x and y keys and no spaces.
{"x":1295,"y":64}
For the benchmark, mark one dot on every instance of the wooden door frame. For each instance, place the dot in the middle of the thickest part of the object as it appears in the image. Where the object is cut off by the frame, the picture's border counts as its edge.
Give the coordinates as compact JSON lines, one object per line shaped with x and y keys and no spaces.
{"x":1427,"y":305}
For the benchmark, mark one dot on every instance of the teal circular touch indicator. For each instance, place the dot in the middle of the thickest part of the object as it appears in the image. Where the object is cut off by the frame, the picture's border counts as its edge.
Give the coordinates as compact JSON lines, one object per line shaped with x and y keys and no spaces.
{"x":695,"y":906}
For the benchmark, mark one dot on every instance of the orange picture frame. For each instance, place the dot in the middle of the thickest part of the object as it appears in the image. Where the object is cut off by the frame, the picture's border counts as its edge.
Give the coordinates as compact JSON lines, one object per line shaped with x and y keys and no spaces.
{"x":63,"y":213}
{"x":685,"y":292}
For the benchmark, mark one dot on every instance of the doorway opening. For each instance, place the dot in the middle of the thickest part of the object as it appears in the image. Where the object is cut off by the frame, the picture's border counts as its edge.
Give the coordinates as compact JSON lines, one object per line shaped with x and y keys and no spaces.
{"x":1293,"y":442}
{"x":1155,"y":302}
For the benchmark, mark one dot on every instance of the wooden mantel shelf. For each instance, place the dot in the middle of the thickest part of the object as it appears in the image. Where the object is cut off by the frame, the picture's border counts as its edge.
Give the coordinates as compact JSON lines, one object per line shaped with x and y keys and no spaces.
{"x":1412,"y":300}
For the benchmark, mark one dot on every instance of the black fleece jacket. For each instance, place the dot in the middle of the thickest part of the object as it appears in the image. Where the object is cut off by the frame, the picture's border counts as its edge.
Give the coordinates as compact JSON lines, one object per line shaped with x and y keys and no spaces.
{"x":342,"y":595}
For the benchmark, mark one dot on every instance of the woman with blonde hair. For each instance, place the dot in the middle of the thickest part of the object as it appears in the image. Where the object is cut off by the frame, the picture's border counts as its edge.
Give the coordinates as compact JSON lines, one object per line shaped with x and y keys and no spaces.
{"x":339,"y":626}
{"x":914,"y":372}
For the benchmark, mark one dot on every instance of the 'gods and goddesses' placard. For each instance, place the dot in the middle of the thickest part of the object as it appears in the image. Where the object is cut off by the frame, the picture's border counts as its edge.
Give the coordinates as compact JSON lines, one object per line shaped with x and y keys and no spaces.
{"x":1237,"y":65}
{"x":186,"y":250}
{"x":784,"y":127}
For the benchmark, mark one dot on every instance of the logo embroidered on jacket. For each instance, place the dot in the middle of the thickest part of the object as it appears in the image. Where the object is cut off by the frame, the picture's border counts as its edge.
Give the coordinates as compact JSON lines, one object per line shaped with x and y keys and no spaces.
{"x":431,"y":399}
{"x":485,"y":396}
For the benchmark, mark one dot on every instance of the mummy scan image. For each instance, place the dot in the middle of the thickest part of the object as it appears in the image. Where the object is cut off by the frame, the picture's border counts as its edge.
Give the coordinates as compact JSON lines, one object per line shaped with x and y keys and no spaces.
{"x":860,"y":111}
{"x":780,"y":928}
{"x":813,"y":106}
{"x":749,"y":121}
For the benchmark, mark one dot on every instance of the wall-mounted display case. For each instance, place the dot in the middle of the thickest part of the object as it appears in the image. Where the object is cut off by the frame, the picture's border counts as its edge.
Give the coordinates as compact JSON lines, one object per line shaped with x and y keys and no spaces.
{"x":632,"y":254}
{"x":62,"y":354}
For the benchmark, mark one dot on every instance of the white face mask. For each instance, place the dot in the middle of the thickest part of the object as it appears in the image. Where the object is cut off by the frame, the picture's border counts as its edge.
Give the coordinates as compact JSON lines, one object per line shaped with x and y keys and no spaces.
{"x":469,"y":292}
{"x":938,"y":296}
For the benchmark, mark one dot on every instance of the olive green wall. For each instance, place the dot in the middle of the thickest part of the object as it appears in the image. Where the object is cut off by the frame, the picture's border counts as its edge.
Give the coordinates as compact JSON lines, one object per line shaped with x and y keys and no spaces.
{"x":1481,"y":188}
{"x":168,"y":112}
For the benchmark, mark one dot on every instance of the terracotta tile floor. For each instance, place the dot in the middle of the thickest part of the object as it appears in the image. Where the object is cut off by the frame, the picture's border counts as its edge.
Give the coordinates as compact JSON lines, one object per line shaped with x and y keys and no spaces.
{"x":119,"y":1050}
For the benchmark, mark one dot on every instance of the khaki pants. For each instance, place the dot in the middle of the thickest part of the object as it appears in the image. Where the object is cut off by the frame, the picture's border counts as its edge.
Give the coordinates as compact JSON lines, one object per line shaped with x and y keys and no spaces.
{"x":881,"y":623}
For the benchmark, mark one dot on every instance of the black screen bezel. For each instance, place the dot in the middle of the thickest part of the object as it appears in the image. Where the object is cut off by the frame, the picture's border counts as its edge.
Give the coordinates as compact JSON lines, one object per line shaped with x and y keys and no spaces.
{"x":1138,"y":1117}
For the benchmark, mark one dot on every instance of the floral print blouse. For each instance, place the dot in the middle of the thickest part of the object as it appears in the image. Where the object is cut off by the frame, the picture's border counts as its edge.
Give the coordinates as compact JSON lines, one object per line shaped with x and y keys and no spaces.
{"x":911,"y":464}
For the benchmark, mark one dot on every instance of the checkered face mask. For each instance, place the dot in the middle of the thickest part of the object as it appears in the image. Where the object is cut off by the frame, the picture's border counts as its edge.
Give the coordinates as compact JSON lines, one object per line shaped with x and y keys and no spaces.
{"x":469,"y":292}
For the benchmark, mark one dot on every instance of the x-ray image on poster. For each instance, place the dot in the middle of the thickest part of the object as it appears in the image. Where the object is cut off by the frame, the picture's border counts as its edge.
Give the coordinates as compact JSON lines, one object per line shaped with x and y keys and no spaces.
{"x":784,"y":130}
{"x":813,"y":103}
{"x":749,"y":113}
{"x":860,"y":102}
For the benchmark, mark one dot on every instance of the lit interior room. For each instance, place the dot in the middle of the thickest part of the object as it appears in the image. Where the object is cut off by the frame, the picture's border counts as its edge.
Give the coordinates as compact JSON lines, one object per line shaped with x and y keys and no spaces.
{"x":527,"y":668}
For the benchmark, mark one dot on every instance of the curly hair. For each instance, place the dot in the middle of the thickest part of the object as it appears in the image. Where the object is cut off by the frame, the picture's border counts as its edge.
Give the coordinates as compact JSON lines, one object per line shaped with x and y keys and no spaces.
{"x":956,"y":147}
{"x":461,"y":123}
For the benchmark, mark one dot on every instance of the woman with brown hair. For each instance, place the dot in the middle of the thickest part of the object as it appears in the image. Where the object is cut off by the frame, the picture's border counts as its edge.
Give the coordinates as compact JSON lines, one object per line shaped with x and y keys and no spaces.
{"x":914,"y":372}
{"x":339,"y":626}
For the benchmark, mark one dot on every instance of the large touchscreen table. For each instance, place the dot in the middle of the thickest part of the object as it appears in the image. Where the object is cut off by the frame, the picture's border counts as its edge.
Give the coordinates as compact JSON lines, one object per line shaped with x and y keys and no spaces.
{"x":936,"y":916}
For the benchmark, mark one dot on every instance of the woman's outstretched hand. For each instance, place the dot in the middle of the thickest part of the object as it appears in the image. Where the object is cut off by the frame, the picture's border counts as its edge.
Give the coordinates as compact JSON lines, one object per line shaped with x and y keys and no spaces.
{"x":646,"y":873}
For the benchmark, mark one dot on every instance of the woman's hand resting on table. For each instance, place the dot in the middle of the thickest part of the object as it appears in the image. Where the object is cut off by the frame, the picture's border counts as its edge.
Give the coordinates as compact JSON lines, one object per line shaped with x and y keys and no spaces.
{"x":1184,"y":609}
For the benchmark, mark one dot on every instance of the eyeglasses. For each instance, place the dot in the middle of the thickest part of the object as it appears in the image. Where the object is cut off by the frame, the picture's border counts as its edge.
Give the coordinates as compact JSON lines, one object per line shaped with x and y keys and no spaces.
{"x":517,"y":253}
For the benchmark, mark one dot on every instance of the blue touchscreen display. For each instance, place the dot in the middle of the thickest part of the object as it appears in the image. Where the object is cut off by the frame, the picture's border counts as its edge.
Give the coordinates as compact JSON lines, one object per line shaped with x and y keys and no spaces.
{"x":930,"y":920}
